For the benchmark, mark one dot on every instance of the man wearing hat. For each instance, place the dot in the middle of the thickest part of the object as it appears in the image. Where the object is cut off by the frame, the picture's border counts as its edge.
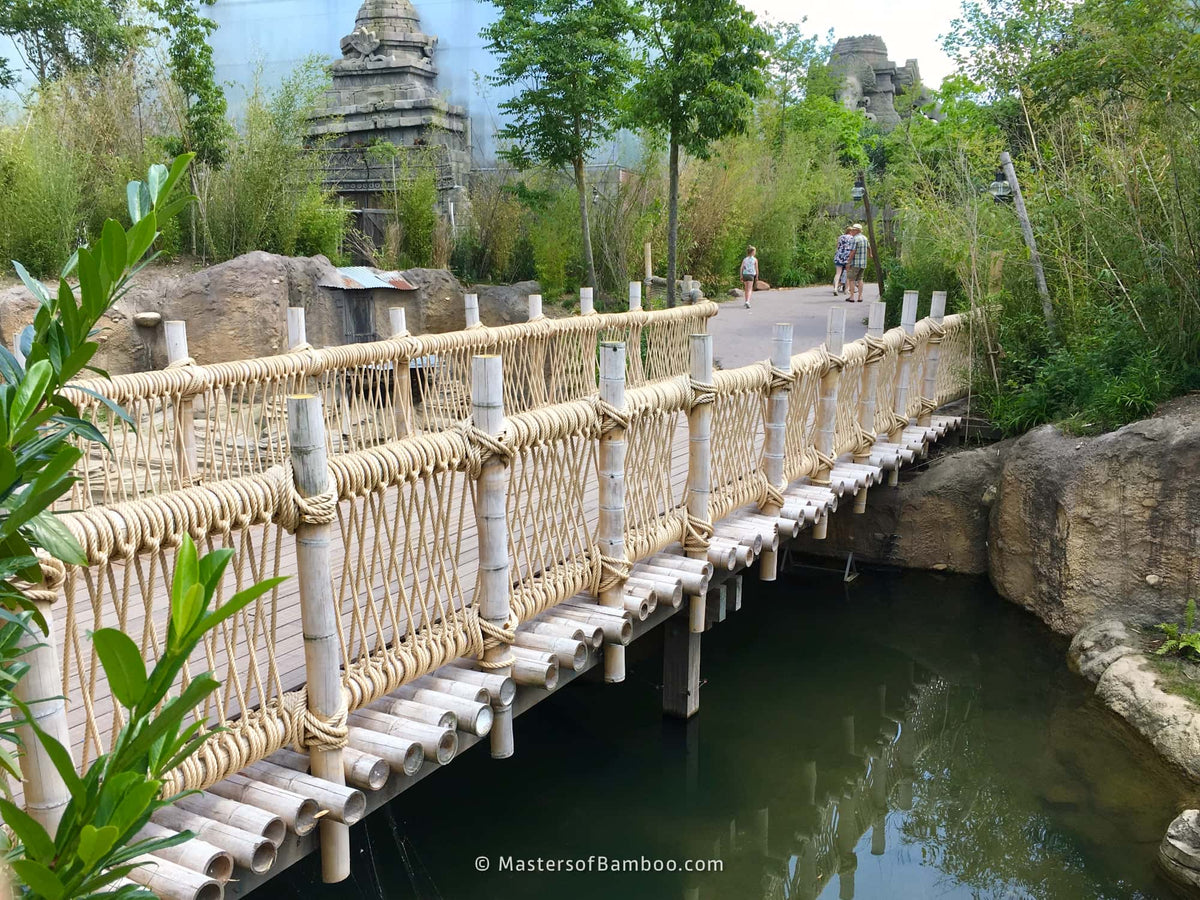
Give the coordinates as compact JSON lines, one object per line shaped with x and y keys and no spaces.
{"x":860,"y":252}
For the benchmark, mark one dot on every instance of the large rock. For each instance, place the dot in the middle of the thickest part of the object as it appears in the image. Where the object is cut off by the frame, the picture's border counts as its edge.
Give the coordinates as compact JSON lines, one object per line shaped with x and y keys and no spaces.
{"x":1179,"y":852}
{"x":438,"y":301}
{"x":1107,"y":526}
{"x":506,"y":304}
{"x":1106,"y":653}
{"x":937,"y":519}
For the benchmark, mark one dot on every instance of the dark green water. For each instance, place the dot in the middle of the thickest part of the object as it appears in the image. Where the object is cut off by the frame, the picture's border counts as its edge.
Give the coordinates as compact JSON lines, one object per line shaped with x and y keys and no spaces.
{"x":908,"y":737}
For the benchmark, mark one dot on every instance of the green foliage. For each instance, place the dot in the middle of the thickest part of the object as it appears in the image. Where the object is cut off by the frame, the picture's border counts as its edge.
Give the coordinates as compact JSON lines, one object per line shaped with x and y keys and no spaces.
{"x":205,"y":130}
{"x":411,"y":198}
{"x":270,"y":193}
{"x":556,"y":263}
{"x":57,"y":37}
{"x":1183,"y":641}
{"x":14,"y":625}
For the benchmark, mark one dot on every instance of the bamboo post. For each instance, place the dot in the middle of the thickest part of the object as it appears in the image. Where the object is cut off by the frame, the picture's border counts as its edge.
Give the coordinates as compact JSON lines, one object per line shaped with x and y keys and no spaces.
{"x":401,"y":384}
{"x":908,"y":321}
{"x":937,"y":313}
{"x":587,"y":301}
{"x":648,"y":267}
{"x":835,"y":334}
{"x":318,"y":615}
{"x":1030,"y":241}
{"x":699,"y":463}
{"x":491,"y":497}
{"x":17,"y":351}
{"x":471,"y":310}
{"x":46,"y":794}
{"x":611,"y":468}
{"x":868,"y":394}
{"x":185,"y":422}
{"x":776,"y":433}
{"x":535,"y":307}
{"x":635,"y":296}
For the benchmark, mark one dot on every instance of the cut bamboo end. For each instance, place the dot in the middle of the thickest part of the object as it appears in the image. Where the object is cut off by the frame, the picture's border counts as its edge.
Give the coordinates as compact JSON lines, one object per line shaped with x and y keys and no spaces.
{"x":195,"y":854}
{"x":638,"y":607}
{"x":616,"y":629}
{"x":501,"y":688}
{"x":722,"y":555}
{"x":570,"y":653}
{"x":577,"y":631}
{"x":475,"y":692}
{"x":614,"y":663}
{"x":473,"y":715}
{"x":240,"y":815}
{"x":501,"y":746}
{"x":538,"y":670}
{"x":345,"y":804}
{"x":365,"y":770}
{"x":440,"y":745}
{"x":668,"y":590}
{"x":406,"y":706}
{"x":589,"y":604}
{"x":736,"y":535}
{"x":701,"y":567}
{"x":696,"y":610}
{"x":299,"y":813}
{"x":402,"y":755}
{"x":693,"y":582}
{"x":171,"y":881}
{"x":249,"y":850}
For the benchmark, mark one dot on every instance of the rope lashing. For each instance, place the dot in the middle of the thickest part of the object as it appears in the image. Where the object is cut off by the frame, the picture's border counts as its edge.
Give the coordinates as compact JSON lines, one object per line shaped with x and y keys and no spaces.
{"x":781,"y":379}
{"x":325,"y":734}
{"x":908,"y":343}
{"x":770,"y":496}
{"x":701,"y":392}
{"x":830,"y":361}
{"x":876,"y":349}
{"x":482,"y":448}
{"x":497,"y":637}
{"x":611,"y":418}
{"x":937,"y":331}
{"x":610,"y":572}
{"x":293,"y":510}
{"x":54,"y":573}
{"x":185,"y":363}
{"x":697,"y":533}
{"x":864,"y":441}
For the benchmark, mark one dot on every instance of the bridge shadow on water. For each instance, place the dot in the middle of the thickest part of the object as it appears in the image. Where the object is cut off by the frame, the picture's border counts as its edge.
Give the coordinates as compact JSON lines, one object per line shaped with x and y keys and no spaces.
{"x":905,"y":736}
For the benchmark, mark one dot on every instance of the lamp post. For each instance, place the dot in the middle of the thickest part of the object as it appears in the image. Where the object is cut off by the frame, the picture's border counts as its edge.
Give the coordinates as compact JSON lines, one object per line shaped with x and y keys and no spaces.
{"x":859,"y":190}
{"x":860,"y":193}
{"x":1000,"y":189}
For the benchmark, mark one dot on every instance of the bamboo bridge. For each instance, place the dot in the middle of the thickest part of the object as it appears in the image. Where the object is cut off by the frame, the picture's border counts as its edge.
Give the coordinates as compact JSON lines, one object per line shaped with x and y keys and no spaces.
{"x":472,"y":520}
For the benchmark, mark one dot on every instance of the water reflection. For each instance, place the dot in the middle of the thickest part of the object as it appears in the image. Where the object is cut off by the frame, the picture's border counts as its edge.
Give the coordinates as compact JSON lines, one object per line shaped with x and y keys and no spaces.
{"x":914,"y":738}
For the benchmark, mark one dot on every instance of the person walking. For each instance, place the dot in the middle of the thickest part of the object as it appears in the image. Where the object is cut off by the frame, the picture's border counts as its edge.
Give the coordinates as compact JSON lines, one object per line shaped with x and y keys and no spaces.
{"x":856,"y":265}
{"x":749,"y":273}
{"x":841,"y":256}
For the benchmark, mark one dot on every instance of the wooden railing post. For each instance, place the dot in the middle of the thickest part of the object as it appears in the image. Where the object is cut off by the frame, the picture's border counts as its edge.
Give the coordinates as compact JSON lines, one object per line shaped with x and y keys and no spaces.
{"x":937,"y":313}
{"x":908,"y":321}
{"x":635,"y":296}
{"x":611,"y":468}
{"x":471,"y":310}
{"x":318,"y":616}
{"x":699,"y":480}
{"x":401,"y":378}
{"x":185,"y":422}
{"x":835,"y":335}
{"x":587,"y":301}
{"x":46,"y":794}
{"x":869,"y":393}
{"x":775,"y":439}
{"x":491,"y":518}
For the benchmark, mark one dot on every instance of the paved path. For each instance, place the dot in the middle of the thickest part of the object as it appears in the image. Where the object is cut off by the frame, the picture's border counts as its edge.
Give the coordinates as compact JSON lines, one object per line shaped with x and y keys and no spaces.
{"x":743,"y":336}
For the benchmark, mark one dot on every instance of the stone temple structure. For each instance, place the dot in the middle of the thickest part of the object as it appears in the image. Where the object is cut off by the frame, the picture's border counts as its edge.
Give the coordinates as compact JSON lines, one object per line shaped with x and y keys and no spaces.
{"x":871,"y":81}
{"x":385,"y":89}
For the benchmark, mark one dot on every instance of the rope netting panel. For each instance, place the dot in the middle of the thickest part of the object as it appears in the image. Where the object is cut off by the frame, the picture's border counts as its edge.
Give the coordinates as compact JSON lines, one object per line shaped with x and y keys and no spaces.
{"x":916,"y":368}
{"x":656,"y":466}
{"x":954,"y":366}
{"x":848,"y":436}
{"x":889,"y":364}
{"x":799,"y":459}
{"x":738,"y":411}
{"x":552,"y":504}
{"x":199,"y":423}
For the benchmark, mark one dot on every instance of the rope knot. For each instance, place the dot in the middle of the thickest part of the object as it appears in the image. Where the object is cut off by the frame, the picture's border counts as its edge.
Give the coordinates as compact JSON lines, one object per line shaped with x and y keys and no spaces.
{"x":697,"y":533}
{"x":610,"y":572}
{"x":781,"y":379}
{"x":876,"y":349}
{"x":483,"y":447}
{"x":702,"y":392}
{"x":292,"y":510}
{"x":496,"y":637}
{"x":611,"y":417}
{"x":831,"y":361}
{"x":771,"y":496}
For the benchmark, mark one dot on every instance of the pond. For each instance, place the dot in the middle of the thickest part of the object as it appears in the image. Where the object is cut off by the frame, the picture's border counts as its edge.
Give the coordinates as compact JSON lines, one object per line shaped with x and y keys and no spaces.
{"x":903,"y":736}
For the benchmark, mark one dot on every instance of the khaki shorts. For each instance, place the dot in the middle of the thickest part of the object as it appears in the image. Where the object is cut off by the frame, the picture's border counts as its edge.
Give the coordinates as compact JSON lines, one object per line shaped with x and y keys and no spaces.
{"x":854,"y":273}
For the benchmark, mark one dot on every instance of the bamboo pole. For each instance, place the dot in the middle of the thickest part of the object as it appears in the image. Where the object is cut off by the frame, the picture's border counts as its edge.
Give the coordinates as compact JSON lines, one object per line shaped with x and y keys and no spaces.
{"x":446,"y":686}
{"x":835,"y":333}
{"x":298,"y":812}
{"x":587,"y":301}
{"x":185,"y":422}
{"x":346,"y":805}
{"x":473,"y":716}
{"x":471,"y":310}
{"x":46,"y":794}
{"x":635,"y":296}
{"x":611,"y":469}
{"x":401,"y":383}
{"x":699,"y":460}
{"x":908,"y":321}
{"x":487,"y":415}
{"x":535,"y":307}
{"x":17,"y":351}
{"x":171,"y":881}
{"x":438,"y":744}
{"x":647,"y":261}
{"x":402,"y":755}
{"x":195,"y":854}
{"x":937,"y":312}
{"x":775,"y":438}
{"x":401,"y":705}
{"x":249,"y":850}
{"x":240,"y":815}
{"x":869,"y":392}
{"x":616,"y":630}
{"x":318,"y":615}
{"x":1039,"y":272}
{"x":592,"y":636}
{"x":500,"y":687}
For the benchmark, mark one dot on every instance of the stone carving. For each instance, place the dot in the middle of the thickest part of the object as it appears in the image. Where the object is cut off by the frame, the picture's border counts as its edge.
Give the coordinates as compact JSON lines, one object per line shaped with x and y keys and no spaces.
{"x":871,"y":81}
{"x":385,"y":89}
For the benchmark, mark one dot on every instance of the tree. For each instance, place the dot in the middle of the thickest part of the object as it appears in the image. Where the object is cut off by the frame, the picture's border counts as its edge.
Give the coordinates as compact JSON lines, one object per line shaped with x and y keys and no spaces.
{"x":204,"y":129}
{"x":53,"y":37}
{"x":703,"y":67}
{"x":572,"y":61}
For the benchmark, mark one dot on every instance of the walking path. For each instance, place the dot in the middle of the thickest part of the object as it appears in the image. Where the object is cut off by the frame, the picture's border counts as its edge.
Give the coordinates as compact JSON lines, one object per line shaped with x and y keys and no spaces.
{"x":742,"y":336}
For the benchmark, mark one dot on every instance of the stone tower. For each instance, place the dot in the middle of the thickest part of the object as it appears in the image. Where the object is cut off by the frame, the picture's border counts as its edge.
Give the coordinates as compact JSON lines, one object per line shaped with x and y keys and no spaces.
{"x":385,"y":89}
{"x":871,"y":81}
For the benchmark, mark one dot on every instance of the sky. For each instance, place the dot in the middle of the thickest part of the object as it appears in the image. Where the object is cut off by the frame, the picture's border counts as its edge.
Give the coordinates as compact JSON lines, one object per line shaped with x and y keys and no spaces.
{"x":910,"y":28}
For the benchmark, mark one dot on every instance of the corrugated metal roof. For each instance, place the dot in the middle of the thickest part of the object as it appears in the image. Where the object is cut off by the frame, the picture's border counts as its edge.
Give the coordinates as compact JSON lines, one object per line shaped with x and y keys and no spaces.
{"x":365,"y":278}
